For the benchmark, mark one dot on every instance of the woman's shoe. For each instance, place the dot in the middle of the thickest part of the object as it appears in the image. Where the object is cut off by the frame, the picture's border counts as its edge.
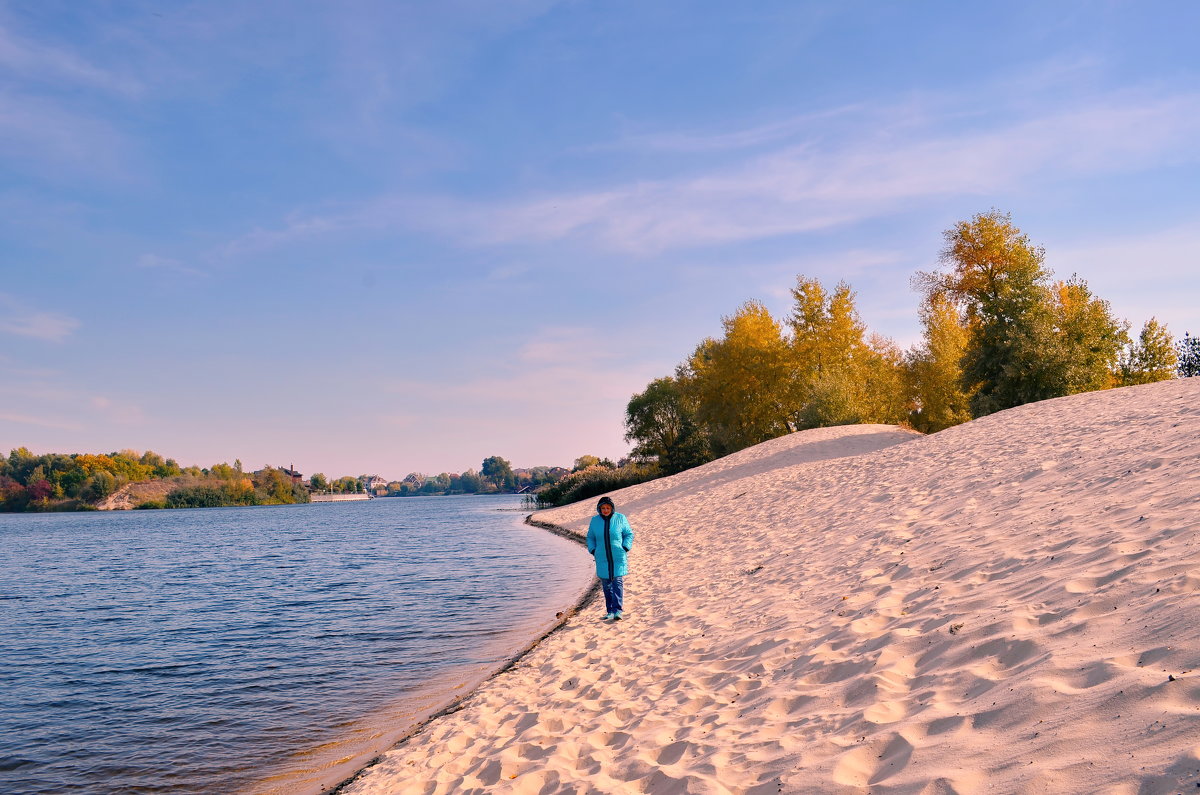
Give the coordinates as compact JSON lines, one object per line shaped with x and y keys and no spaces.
{"x":609,"y":616}
{"x":617,"y":615}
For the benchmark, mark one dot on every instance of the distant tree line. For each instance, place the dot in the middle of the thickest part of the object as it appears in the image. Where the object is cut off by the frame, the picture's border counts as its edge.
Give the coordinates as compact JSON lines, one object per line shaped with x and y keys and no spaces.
{"x":37,"y":482}
{"x":77,"y":481}
{"x":998,"y":331}
{"x":495,"y":475}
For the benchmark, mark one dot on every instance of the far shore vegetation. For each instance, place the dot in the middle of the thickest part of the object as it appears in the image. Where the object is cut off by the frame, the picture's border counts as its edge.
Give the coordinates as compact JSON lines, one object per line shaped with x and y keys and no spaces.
{"x":129,"y":479}
{"x":999,"y":330}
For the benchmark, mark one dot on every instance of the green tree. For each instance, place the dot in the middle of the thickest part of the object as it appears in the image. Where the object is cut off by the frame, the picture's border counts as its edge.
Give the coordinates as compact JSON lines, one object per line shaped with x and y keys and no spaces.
{"x":585,"y":461}
{"x":225,"y":472}
{"x":472,"y":483}
{"x":662,"y":423}
{"x":346,"y":485}
{"x":273,"y":487}
{"x":1152,"y":358}
{"x":318,"y":481}
{"x":997,"y":275}
{"x":499,"y":472}
{"x":168,"y":469}
{"x":152,"y":459}
{"x":98,"y":486}
{"x":1188,"y":351}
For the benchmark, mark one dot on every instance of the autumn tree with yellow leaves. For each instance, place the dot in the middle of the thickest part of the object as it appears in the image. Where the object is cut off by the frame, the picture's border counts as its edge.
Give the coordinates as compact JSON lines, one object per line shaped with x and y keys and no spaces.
{"x":997,"y":332}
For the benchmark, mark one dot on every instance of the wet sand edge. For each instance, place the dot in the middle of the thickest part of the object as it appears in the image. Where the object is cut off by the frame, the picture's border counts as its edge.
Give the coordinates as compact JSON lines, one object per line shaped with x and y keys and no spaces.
{"x":458,"y":702}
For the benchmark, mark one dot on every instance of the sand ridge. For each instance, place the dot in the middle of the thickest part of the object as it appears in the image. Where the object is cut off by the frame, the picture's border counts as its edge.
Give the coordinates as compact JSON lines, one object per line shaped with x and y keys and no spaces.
{"x":1006,"y":606}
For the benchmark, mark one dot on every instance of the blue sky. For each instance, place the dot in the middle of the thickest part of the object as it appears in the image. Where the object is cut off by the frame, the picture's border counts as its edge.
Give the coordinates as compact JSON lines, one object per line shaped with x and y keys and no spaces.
{"x":382,"y":237}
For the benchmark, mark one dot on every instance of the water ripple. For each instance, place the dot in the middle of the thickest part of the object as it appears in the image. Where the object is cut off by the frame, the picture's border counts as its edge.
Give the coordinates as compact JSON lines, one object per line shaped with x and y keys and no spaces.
{"x":193,"y":651}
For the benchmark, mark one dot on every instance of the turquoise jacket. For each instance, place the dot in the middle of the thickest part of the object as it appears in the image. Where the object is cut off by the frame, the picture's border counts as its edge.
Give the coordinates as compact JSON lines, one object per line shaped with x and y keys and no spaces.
{"x":610,"y":544}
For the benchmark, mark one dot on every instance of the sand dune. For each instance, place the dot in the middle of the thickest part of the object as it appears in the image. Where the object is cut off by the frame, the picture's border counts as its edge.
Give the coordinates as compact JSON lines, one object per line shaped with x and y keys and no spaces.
{"x":1007,"y":606}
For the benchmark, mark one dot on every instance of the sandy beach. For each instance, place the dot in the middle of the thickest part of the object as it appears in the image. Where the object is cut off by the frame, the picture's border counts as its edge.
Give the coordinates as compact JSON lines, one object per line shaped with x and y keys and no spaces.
{"x":1006,"y":606}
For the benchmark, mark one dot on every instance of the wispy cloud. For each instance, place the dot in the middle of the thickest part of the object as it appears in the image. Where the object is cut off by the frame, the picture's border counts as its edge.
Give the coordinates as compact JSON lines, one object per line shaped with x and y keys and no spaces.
{"x":17,"y":318}
{"x":41,"y":422}
{"x":156,"y":262}
{"x":799,"y":188}
{"x":804,"y":183}
{"x":37,"y":134}
{"x":701,"y":142}
{"x":554,"y":366}
{"x":121,"y":412}
{"x":43,"y":397}
{"x":841,"y":265}
{"x":45,"y":63}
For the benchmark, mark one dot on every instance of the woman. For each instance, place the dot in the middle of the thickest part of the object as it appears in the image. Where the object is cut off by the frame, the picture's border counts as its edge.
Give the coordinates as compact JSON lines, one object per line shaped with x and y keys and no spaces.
{"x":609,"y":539}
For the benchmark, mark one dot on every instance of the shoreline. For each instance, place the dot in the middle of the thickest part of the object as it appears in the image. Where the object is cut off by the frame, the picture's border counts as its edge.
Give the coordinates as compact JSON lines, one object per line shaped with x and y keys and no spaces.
{"x":1007,"y":605}
{"x":585,"y":598}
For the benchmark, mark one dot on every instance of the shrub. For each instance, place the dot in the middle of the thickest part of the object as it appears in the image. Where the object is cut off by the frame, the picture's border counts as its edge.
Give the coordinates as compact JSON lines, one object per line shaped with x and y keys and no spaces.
{"x":211,"y":497}
{"x":592,"y":482}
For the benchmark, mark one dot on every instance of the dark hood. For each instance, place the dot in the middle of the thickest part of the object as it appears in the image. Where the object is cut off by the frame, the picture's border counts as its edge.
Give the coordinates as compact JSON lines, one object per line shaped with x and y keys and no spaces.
{"x":605,"y":501}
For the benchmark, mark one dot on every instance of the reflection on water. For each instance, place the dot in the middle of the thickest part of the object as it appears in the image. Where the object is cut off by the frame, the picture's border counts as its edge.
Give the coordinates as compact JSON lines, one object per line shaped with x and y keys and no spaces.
{"x":199,"y":651}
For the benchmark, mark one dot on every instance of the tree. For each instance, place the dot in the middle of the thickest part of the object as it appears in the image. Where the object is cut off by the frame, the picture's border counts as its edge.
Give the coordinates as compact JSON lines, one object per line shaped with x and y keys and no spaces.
{"x":225,"y":472}
{"x":152,"y":459}
{"x":996,"y":274}
{"x":346,"y":485}
{"x":827,"y":333}
{"x":663,"y":424}
{"x":1188,"y":351}
{"x":98,"y":485}
{"x":318,"y":481}
{"x":840,"y":373}
{"x":585,"y":461}
{"x":499,"y":472}
{"x":742,"y":382}
{"x":272,"y":486}
{"x":881,"y":391}
{"x":39,"y":488}
{"x":13,"y":496}
{"x":1152,"y":358}
{"x":472,"y":483}
{"x":1090,"y":338}
{"x":934,"y":367}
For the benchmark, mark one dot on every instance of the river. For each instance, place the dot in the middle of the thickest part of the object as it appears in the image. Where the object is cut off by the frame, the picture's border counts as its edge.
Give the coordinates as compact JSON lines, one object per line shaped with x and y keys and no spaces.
{"x":267,"y":649}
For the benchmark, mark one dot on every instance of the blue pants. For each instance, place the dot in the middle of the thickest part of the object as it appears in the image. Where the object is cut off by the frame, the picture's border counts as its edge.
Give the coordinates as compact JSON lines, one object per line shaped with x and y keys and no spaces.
{"x":614,"y":594}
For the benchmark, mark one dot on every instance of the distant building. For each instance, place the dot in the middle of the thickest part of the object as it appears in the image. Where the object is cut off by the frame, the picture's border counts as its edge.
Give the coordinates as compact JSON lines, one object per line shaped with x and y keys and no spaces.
{"x":375,"y":483}
{"x":292,"y":473}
